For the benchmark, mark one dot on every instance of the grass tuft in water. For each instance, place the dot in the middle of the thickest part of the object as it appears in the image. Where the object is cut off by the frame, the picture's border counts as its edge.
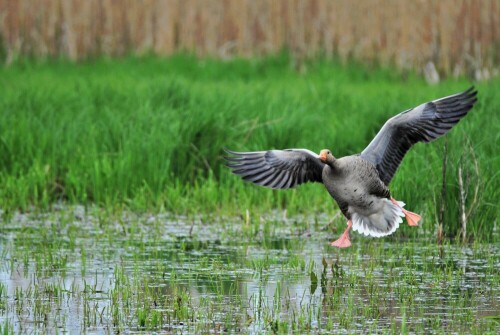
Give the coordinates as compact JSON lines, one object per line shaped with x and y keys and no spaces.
{"x":139,"y":278}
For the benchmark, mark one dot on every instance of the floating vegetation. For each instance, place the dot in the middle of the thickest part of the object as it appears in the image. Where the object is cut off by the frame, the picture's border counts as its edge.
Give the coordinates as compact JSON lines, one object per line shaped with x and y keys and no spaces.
{"x":82,"y":270}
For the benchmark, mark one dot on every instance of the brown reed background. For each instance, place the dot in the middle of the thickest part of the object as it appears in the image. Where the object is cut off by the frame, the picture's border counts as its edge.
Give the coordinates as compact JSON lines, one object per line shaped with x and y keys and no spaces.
{"x":456,"y":35}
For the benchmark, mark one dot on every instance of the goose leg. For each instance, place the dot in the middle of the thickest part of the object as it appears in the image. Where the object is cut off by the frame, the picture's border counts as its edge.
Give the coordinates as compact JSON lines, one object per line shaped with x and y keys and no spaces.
{"x":343,"y":241}
{"x":411,"y":217}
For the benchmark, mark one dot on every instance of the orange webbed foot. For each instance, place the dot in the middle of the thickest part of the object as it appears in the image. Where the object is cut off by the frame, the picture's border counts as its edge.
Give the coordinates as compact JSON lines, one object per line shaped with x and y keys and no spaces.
{"x":411,"y":218}
{"x":343,"y":241}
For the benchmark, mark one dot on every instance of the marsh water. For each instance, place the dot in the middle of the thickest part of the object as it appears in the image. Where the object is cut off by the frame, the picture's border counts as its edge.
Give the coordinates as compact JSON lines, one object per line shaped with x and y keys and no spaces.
{"x":81,"y":270}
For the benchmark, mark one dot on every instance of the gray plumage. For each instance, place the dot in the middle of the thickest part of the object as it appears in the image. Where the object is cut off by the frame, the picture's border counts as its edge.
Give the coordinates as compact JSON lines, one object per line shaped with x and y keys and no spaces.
{"x":353,"y":181}
{"x":356,"y":187}
{"x":424,"y":123}
{"x":278,"y":169}
{"x":358,"y":183}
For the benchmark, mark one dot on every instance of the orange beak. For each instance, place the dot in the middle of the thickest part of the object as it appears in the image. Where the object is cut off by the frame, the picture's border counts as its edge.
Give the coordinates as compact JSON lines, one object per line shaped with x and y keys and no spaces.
{"x":322,"y":157}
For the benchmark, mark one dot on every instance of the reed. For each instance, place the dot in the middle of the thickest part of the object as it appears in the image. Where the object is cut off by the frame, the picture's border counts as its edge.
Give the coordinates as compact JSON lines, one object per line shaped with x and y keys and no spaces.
{"x":459,"y":37}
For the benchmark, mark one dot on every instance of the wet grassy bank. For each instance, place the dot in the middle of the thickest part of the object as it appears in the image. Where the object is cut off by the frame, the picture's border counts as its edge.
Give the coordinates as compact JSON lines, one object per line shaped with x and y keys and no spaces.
{"x":147,"y":134}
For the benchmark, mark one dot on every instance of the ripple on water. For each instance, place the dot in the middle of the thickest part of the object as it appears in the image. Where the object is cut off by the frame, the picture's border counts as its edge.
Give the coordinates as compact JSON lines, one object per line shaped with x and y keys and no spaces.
{"x":77,"y":269}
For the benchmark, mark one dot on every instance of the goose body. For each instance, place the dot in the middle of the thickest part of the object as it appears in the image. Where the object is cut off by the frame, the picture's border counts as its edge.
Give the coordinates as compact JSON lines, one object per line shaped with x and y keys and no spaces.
{"x":359,"y":183}
{"x":362,"y":197}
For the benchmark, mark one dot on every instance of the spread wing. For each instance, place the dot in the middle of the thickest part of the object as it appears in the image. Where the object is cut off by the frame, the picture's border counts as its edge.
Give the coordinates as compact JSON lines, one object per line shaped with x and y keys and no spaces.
{"x":278,"y":169}
{"x":424,"y":123}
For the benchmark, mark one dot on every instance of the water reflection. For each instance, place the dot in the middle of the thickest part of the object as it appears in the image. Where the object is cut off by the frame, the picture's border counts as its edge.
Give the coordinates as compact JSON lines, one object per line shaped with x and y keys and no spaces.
{"x":160,"y":273}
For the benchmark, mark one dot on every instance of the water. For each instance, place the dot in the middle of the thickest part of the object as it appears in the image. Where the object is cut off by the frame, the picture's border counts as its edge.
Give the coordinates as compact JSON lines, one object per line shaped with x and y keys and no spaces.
{"x":86,"y":271}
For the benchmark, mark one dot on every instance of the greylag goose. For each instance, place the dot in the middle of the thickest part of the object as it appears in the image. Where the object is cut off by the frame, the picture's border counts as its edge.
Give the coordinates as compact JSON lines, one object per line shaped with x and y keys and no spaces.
{"x":359,"y":183}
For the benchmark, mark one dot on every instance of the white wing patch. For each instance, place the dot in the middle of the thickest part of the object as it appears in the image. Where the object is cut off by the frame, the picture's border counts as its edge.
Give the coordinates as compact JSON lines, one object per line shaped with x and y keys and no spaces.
{"x":382,"y":223}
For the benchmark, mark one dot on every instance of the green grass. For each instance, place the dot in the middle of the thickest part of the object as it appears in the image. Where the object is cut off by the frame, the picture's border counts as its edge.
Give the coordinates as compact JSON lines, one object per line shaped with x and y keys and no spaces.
{"x":147,"y":134}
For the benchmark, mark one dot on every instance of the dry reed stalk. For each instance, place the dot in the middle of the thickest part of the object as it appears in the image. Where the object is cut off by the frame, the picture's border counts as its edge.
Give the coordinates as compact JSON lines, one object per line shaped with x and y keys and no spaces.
{"x":463,"y":217}
{"x":440,"y":232}
{"x":464,"y":186}
{"x":453,"y":34}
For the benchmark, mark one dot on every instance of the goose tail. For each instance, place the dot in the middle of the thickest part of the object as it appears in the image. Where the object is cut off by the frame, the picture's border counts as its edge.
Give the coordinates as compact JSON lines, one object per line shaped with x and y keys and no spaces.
{"x":382,"y":223}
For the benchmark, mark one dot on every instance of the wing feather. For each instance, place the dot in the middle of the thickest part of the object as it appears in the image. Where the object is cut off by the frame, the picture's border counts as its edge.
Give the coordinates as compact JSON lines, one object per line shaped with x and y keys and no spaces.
{"x":278,"y":169}
{"x":423,"y":123}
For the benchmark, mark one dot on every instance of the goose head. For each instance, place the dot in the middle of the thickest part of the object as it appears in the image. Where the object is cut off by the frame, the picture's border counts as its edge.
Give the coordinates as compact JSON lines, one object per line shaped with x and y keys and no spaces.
{"x":326,"y":157}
